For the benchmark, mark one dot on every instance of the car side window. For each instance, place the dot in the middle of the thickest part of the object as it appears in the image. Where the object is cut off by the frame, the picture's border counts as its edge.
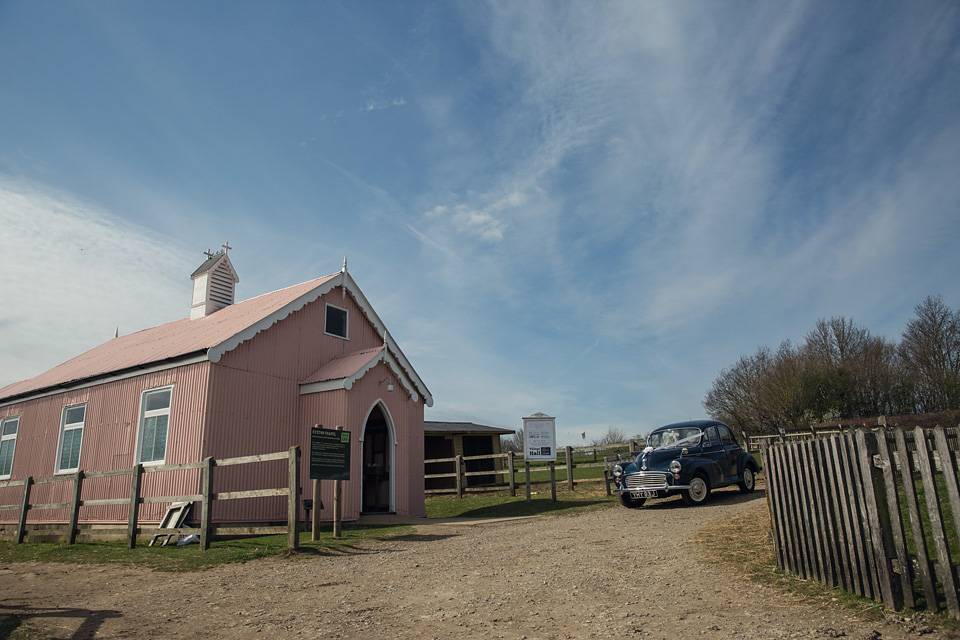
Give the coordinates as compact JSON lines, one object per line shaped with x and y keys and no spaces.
{"x":725,"y":435}
{"x":712,"y":439}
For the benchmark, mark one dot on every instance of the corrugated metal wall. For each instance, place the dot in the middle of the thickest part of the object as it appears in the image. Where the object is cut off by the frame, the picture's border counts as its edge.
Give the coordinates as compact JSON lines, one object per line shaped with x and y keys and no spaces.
{"x":296,"y":346}
{"x":250,"y":413}
{"x":109,"y":442}
{"x":248,"y":403}
{"x":290,"y":351}
{"x":350,"y":410}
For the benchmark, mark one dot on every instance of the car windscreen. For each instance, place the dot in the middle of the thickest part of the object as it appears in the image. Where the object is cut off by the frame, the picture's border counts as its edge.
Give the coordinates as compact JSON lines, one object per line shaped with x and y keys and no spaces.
{"x":674,"y":438}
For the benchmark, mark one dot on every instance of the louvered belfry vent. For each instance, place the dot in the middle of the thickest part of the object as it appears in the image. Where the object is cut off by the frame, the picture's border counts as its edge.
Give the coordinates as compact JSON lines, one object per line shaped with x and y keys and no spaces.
{"x":221,"y":286}
{"x":214,"y":284}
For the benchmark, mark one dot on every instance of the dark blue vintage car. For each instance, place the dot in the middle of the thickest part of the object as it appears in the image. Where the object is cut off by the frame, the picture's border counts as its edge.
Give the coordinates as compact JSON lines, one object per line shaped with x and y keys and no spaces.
{"x":689,"y":458}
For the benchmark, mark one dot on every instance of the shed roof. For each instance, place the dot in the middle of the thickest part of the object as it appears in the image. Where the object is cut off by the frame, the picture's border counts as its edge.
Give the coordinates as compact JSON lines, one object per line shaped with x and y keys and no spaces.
{"x":463,"y":427}
{"x":207,"y":337}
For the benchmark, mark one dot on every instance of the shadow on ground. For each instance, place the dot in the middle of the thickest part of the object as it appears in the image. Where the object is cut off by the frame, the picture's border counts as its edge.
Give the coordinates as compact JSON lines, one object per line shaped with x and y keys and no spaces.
{"x":12,"y":619}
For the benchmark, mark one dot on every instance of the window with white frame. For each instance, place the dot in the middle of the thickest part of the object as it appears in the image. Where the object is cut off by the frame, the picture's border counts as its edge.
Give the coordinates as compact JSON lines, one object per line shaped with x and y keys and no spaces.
{"x":154,"y":421}
{"x":335,"y":323}
{"x":71,"y":437}
{"x":8,"y":443}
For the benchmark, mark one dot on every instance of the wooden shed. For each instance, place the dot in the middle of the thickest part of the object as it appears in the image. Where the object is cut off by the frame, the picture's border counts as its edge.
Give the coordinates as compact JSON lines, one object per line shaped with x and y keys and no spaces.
{"x":450,"y":439}
{"x":232,"y":379}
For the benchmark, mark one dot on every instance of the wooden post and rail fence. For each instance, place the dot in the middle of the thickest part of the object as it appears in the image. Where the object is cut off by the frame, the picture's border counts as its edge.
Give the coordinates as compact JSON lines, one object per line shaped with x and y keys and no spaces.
{"x":602,"y":457}
{"x":207,"y":497}
{"x":873,"y":512}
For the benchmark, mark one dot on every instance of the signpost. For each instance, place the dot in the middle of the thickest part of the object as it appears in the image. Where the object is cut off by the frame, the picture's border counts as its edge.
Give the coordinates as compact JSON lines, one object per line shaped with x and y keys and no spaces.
{"x":539,"y":443}
{"x":329,"y":460}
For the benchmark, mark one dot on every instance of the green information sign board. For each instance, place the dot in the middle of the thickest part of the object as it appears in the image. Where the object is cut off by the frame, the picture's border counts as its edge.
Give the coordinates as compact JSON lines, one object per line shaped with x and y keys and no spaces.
{"x":329,"y":454}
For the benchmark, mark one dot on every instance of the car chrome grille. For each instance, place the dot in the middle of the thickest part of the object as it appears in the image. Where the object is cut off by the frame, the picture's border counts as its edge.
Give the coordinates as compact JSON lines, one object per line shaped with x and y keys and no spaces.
{"x":645,"y":480}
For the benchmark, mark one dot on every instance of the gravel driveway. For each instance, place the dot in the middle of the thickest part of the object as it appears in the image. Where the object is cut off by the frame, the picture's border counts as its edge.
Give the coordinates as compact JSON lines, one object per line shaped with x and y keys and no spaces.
{"x":597,"y":574}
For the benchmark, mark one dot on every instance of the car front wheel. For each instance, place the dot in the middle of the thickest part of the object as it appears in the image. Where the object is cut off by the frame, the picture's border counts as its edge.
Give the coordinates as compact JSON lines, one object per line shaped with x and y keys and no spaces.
{"x":698,"y":492}
{"x":631,"y":503}
{"x":746,"y":485}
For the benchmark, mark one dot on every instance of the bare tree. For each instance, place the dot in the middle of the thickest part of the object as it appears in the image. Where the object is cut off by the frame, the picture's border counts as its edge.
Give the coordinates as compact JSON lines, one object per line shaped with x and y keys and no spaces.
{"x":612,"y":436}
{"x":841,"y":371}
{"x":512,"y":443}
{"x":930,"y":350}
{"x":735,"y":396}
{"x":835,"y":341}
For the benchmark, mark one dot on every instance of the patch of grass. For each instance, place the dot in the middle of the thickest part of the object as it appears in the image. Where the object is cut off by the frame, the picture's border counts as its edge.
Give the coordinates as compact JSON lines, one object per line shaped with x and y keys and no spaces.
{"x":503,"y":505}
{"x":17,"y":628}
{"x":190,"y":557}
{"x":744,"y":542}
{"x":542,"y":474}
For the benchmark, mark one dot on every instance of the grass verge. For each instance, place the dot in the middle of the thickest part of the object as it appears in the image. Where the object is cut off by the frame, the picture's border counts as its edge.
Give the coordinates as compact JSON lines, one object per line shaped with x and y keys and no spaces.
{"x":190,"y":557}
{"x":744,"y":542}
{"x":502,"y":505}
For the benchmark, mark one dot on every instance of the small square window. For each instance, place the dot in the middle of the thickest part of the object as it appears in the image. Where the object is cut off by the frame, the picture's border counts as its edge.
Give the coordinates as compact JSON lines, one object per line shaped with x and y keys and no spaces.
{"x":336,"y":322}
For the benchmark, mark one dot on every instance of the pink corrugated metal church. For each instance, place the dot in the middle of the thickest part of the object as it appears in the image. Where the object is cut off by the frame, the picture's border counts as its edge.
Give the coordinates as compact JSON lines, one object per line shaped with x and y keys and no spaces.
{"x":233,"y":379}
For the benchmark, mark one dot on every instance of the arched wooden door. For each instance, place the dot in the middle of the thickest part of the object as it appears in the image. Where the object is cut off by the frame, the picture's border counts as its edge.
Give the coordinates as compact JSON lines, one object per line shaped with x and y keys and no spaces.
{"x":377,"y":464}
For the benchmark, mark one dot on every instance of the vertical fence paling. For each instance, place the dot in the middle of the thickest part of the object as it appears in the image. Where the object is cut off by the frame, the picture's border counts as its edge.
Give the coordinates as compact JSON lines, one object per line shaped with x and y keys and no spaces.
{"x":916,"y":524}
{"x":837,"y":516}
{"x":944,"y":568}
{"x":135,"y":498}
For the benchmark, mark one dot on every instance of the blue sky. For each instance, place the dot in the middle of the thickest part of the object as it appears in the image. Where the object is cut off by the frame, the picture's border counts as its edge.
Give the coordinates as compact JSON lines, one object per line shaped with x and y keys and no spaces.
{"x":584,"y":209}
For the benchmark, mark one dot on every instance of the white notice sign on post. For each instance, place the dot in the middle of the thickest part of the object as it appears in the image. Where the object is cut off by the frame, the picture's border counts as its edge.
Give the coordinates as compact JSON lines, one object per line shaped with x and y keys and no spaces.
{"x":539,"y":438}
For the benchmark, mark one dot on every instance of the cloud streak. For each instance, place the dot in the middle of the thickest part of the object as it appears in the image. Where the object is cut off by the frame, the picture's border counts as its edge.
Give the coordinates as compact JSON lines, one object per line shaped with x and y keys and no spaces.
{"x":77,"y":275}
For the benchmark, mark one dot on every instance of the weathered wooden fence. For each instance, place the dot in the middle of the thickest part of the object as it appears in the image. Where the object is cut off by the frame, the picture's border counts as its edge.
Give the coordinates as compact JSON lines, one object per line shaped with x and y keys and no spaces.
{"x":838,"y":505}
{"x":510,"y":462}
{"x":134,"y":499}
{"x":755,"y":443}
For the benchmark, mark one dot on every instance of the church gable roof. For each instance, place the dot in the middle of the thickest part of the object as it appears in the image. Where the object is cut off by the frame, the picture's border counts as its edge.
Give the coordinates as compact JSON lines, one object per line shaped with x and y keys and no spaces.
{"x":205,"y":338}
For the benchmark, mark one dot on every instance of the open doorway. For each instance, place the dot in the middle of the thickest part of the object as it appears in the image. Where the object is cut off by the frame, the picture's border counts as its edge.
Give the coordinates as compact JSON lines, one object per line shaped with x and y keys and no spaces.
{"x":377,"y":463}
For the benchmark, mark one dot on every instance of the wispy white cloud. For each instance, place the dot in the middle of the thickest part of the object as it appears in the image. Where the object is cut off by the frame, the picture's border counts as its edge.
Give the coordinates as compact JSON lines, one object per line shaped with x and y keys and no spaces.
{"x":487,"y":223}
{"x":580,"y":208}
{"x":74,"y":275}
{"x":378,"y":105}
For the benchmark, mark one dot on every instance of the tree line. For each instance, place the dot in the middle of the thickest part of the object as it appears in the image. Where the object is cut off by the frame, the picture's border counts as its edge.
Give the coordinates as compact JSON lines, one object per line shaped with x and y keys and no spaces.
{"x":842,"y":371}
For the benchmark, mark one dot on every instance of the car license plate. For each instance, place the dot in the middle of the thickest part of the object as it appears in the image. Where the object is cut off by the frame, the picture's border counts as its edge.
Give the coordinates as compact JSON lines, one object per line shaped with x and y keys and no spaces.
{"x":643,"y":494}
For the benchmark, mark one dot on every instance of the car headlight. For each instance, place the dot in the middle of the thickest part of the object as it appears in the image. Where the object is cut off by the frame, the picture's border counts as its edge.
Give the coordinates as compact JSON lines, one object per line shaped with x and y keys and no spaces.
{"x":617,"y":471}
{"x":675,"y":466}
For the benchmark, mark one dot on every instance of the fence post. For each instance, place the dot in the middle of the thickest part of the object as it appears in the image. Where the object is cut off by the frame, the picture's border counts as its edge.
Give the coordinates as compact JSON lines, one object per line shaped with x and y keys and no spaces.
{"x":949,"y":475}
{"x":337,"y":508}
{"x":939,"y":533}
{"x":526,"y":470}
{"x":315,"y":518}
{"x":553,"y":480}
{"x":24,"y":505}
{"x":293,"y":499}
{"x":136,"y":474}
{"x":458,"y":462}
{"x":513,"y":480}
{"x":569,"y":467}
{"x":206,"y":504}
{"x":338,"y":504}
{"x":924,"y":568}
{"x":879,"y":515}
{"x":772,"y":488}
{"x":75,"y":507}
{"x":896,"y":521}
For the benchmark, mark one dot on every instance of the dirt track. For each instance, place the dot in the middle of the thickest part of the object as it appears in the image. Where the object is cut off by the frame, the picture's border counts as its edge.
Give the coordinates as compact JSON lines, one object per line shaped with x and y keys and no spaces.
{"x":602,"y":574}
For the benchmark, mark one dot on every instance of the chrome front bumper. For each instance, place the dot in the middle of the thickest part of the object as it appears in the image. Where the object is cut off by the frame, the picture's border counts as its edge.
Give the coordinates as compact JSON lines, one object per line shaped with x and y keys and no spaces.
{"x":647,"y":481}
